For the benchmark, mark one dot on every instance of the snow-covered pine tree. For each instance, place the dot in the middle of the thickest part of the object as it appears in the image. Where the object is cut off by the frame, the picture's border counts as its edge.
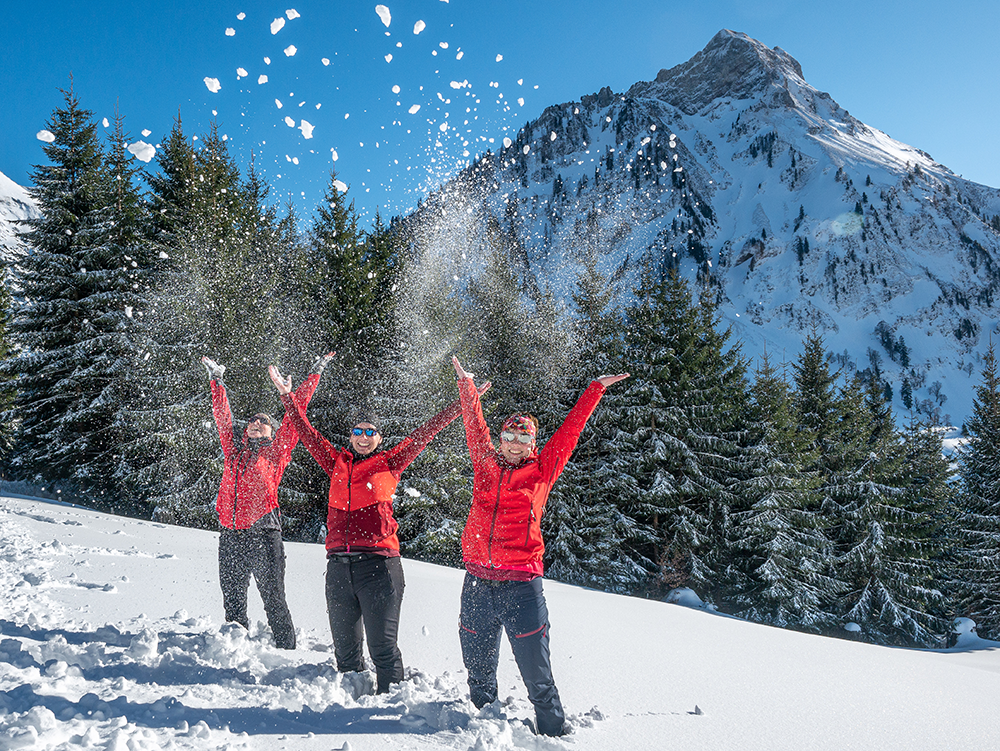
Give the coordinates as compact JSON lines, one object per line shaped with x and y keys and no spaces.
{"x":978,"y":504}
{"x":681,"y":453}
{"x":68,"y":299}
{"x":584,"y":528}
{"x":887,"y":533}
{"x":785,"y":552}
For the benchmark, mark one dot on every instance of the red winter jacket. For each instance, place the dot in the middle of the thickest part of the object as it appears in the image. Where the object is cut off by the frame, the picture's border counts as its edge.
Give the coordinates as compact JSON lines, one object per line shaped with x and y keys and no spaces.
{"x":250,"y":476}
{"x":359,"y":508}
{"x":503,"y":537}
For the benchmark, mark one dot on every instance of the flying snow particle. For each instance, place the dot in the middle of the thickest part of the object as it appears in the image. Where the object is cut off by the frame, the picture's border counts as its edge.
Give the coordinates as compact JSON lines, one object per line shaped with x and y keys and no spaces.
{"x":262,"y":79}
{"x":340,"y":186}
{"x":292,"y":13}
{"x":213,"y":84}
{"x":678,"y":169}
{"x":384,"y":14}
{"x":289,"y":122}
{"x":333,"y":154}
{"x":395,"y":89}
{"x":230,"y":32}
{"x":443,"y":127}
{"x":460,"y":55}
{"x":267,"y":61}
{"x":278,"y":104}
{"x":277,"y":24}
{"x":507,"y":143}
{"x":142,"y":151}
{"x":146,"y":133}
{"x":290,"y":50}
{"x":240,"y":16}
{"x":646,"y":140}
{"x":307,"y":129}
{"x":459,"y":84}
{"x":443,"y":45}
{"x":414,"y":109}
{"x":499,"y":58}
{"x":295,"y":160}
{"x":520,"y":100}
{"x":663,"y":165}
{"x":163,"y":255}
{"x":241,"y":73}
{"x":325,"y":61}
{"x":106,"y":123}
{"x":388,"y":58}
{"x":526,"y":149}
{"x":128,"y":310}
{"x":347,"y":115}
{"x":418,"y":27}
{"x":607,"y":119}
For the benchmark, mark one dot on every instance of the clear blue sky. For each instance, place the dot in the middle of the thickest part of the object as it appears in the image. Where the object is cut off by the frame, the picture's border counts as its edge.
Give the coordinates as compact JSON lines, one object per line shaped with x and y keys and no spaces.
{"x":926,"y":73}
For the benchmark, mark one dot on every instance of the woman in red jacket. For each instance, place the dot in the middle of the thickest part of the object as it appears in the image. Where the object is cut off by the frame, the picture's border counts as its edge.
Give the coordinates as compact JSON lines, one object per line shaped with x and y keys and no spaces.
{"x":364,"y":575}
{"x":502,"y":547}
{"x":247,"y":504}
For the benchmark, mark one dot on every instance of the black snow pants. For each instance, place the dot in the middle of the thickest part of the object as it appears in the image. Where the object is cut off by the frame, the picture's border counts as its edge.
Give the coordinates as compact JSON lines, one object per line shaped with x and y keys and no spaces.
{"x":261,"y":553}
{"x":364,"y":593}
{"x":519,"y":608}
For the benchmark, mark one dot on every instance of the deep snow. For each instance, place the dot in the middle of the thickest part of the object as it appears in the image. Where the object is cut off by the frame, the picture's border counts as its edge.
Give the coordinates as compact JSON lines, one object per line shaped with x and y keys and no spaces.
{"x":112,"y":639}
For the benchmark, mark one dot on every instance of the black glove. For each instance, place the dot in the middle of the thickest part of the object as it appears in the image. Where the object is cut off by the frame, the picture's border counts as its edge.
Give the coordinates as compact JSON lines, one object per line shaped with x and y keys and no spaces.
{"x":320,"y":363}
{"x":215,"y":370}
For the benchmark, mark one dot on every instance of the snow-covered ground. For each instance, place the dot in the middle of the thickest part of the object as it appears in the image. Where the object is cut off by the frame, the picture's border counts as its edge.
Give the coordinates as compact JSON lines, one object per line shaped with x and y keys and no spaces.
{"x":112,"y":639}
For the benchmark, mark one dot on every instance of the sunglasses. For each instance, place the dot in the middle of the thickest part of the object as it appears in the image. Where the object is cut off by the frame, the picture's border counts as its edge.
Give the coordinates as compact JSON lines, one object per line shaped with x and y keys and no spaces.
{"x":365,"y":431}
{"x":259,"y":418}
{"x":519,"y":437}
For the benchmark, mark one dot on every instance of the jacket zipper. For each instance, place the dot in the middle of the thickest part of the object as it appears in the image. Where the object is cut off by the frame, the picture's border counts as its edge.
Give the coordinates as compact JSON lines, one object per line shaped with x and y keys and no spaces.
{"x":531,"y":519}
{"x":347,"y":516}
{"x":493,"y":523}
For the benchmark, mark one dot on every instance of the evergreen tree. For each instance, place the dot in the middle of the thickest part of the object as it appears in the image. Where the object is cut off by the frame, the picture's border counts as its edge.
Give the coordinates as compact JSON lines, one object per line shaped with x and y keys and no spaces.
{"x":979,"y":504}
{"x":68,"y":287}
{"x":785,"y":552}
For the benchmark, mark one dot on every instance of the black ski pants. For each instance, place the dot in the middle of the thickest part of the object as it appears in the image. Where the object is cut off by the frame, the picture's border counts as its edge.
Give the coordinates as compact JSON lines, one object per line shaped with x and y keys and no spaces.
{"x":518,"y":608}
{"x":364,"y":593}
{"x":261,"y":553}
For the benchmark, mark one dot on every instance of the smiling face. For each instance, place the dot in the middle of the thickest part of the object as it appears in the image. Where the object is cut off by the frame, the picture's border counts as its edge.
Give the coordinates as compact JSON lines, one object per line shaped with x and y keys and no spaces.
{"x":259,"y":427}
{"x":362,"y":442}
{"x":512,"y":446}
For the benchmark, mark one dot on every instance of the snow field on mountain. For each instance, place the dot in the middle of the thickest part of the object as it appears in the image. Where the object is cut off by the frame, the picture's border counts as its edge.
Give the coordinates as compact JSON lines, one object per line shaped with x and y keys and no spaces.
{"x":111,"y":639}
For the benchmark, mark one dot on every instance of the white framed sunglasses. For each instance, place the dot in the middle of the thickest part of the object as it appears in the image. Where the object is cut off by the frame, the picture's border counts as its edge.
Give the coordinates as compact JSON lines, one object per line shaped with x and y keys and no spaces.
{"x":519,"y":437}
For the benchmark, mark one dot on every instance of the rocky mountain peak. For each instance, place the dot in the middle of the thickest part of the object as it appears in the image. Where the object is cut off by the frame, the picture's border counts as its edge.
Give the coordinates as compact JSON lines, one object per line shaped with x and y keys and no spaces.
{"x":732,"y":65}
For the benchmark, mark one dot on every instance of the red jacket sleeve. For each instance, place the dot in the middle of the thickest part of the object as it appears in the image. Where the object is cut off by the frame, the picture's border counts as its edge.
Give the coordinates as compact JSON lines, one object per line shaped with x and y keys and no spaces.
{"x":288,"y":434}
{"x":477,"y":434}
{"x":223,"y":416}
{"x":400,"y":457}
{"x":320,"y":448}
{"x":559,"y":447}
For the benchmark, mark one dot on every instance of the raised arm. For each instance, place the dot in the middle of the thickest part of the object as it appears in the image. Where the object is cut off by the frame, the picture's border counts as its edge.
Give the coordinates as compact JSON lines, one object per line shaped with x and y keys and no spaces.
{"x":320,"y":448}
{"x":287,"y":435}
{"x":477,"y":434}
{"x":220,"y":404}
{"x":400,"y":457}
{"x":559,"y":447}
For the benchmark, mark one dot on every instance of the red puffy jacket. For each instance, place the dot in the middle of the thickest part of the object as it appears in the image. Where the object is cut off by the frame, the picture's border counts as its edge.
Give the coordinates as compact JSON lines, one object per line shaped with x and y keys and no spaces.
{"x":502,"y":537}
{"x":359,"y":507}
{"x":250,"y":476}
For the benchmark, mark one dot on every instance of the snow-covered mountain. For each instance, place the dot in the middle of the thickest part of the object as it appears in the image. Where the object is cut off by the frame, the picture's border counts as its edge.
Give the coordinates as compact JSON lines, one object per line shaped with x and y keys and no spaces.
{"x":803,"y":215}
{"x":15,"y":205}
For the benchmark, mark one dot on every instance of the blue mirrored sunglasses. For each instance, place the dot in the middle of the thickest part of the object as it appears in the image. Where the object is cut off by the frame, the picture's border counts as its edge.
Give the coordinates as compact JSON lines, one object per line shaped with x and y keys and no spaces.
{"x":365,"y":431}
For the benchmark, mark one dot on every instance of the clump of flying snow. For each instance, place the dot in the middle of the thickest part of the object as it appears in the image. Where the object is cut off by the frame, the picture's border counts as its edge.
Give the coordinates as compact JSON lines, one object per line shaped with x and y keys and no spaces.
{"x":142,"y":151}
{"x":46,"y":135}
{"x":277,"y":25}
{"x":418,"y":27}
{"x":384,"y":14}
{"x":290,"y":50}
{"x":213,"y":84}
{"x":307,"y":129}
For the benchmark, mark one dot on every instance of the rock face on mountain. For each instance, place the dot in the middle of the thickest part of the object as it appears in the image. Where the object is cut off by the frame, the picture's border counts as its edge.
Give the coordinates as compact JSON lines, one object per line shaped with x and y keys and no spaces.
{"x":732,"y":167}
{"x":15,"y":206}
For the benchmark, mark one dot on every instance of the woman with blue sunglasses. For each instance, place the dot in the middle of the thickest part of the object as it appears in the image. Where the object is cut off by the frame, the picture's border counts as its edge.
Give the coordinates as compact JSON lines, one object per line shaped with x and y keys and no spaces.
{"x":364,"y":576}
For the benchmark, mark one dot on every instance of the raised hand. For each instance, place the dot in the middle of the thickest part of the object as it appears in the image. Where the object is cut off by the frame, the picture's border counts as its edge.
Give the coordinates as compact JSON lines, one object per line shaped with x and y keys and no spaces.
{"x":459,"y":370}
{"x":320,"y":363}
{"x":282,"y":383}
{"x":607,"y":380}
{"x":484,"y":388}
{"x":215,"y":370}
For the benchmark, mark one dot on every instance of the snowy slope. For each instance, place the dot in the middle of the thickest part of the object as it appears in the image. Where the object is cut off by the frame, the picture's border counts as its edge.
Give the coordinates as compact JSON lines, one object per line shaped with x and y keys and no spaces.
{"x":15,"y":205}
{"x":805,"y":216}
{"x":111,"y":639}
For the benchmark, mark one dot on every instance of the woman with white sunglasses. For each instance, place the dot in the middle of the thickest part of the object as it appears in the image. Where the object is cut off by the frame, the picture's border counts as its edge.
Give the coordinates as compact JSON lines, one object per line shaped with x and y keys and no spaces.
{"x":364,"y":576}
{"x":502,"y":547}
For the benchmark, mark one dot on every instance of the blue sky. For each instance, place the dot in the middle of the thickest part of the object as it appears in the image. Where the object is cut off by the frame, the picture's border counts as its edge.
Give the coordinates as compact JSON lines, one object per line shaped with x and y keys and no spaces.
{"x":925,"y":75}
